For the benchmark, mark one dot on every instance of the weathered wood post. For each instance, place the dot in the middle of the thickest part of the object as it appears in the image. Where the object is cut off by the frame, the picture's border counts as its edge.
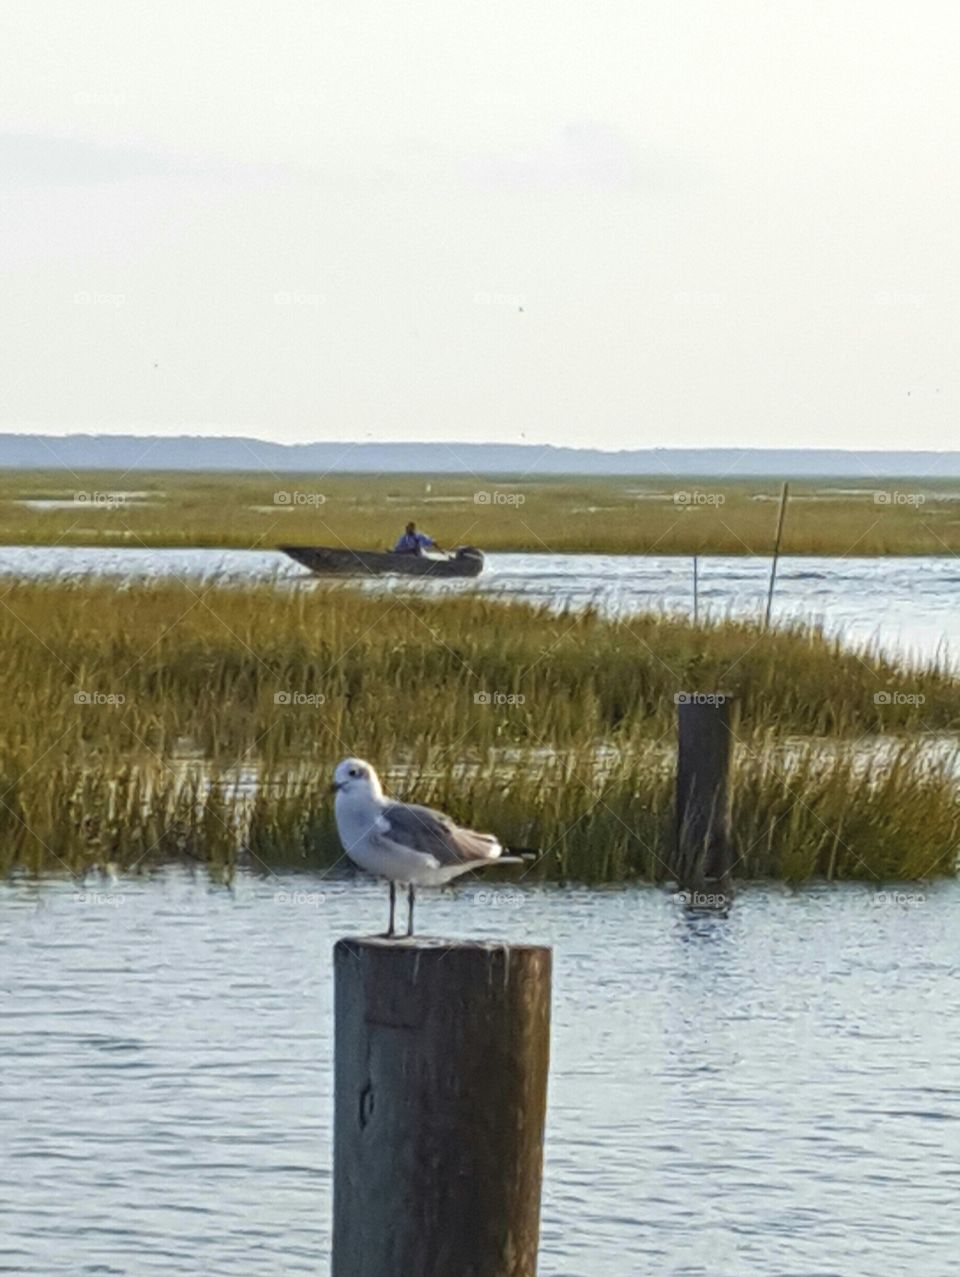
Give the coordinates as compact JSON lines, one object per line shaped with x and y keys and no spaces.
{"x":442,"y":1052}
{"x":704,"y":817}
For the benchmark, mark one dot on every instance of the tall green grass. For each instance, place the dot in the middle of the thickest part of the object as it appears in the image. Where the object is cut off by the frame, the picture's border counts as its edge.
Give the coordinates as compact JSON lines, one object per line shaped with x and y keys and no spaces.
{"x":280,"y":674}
{"x":800,"y":816}
{"x":170,"y":722}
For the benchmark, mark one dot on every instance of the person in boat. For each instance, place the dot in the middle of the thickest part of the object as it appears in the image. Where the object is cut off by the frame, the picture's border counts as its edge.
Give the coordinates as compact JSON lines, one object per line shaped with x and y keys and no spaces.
{"x":414,"y":542}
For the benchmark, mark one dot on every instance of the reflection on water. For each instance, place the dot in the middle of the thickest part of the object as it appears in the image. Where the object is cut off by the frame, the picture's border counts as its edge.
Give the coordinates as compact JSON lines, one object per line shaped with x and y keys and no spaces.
{"x":873,"y":756}
{"x":771,"y":1093}
{"x":905,"y":604}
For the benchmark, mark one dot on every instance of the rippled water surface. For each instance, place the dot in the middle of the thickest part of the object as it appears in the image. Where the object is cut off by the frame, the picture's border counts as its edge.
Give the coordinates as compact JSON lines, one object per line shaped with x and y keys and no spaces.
{"x":908,"y":605}
{"x":775,"y":1093}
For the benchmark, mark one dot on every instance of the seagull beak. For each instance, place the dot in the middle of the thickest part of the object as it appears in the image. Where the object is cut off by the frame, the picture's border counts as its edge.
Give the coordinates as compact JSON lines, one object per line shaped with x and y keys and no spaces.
{"x":336,"y":786}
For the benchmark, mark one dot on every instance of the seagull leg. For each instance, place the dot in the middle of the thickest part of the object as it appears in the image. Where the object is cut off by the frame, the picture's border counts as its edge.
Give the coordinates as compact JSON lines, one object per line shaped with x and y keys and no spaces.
{"x":410,"y":909}
{"x":393,"y":908}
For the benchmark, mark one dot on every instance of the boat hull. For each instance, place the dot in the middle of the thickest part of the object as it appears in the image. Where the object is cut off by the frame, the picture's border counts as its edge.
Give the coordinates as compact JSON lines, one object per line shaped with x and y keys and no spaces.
{"x":337,"y":561}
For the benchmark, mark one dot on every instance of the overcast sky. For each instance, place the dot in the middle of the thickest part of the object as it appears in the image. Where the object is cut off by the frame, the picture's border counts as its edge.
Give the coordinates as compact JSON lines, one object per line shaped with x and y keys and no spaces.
{"x":613,"y":224}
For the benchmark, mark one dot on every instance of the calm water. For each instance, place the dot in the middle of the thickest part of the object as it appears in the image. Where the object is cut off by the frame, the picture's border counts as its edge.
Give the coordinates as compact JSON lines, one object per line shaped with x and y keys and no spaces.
{"x":771,"y":1094}
{"x":907,"y":605}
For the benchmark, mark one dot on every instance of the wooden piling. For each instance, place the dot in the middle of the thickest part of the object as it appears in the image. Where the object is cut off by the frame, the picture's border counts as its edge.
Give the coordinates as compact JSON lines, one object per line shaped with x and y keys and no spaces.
{"x":704,"y":820}
{"x":441,"y":1061}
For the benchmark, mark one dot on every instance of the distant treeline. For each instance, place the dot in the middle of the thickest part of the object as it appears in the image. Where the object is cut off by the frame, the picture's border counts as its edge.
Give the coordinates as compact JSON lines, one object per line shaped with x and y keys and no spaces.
{"x":205,"y":452}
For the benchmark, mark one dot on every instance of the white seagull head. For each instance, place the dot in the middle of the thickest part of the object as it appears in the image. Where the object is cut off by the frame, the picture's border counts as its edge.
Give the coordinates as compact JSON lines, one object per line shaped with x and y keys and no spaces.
{"x":356,"y":778}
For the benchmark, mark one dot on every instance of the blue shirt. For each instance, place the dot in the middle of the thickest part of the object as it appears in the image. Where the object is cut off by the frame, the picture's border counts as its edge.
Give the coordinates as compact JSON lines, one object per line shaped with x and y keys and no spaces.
{"x":412,"y":543}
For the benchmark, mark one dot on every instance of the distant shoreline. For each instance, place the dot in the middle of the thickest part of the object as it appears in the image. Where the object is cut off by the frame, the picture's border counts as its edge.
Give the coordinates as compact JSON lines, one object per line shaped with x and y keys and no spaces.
{"x":250,"y":455}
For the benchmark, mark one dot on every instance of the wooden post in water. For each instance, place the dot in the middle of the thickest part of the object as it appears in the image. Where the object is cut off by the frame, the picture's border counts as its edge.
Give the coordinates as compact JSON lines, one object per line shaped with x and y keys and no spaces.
{"x":441,"y":1061}
{"x":704,"y":847}
{"x":784,"y":497}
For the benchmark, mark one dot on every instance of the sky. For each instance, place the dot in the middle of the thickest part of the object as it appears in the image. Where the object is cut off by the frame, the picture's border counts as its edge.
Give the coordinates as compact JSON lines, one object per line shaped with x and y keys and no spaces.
{"x":616,"y":224}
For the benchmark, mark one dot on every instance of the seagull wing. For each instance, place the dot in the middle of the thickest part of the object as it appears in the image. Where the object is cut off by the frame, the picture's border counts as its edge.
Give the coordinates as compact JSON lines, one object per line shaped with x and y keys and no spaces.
{"x":432,"y":833}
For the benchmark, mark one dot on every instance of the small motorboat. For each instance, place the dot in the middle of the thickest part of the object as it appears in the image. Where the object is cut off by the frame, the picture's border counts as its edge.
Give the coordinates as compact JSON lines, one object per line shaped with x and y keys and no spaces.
{"x":325,"y":560}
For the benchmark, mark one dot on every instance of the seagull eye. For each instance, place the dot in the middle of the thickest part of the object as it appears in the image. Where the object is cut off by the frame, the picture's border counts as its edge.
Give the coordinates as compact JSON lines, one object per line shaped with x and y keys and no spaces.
{"x":354,"y":771}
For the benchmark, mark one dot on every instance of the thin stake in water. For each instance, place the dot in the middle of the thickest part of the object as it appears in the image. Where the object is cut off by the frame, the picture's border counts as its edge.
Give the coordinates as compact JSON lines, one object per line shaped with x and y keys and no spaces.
{"x":784,"y":496}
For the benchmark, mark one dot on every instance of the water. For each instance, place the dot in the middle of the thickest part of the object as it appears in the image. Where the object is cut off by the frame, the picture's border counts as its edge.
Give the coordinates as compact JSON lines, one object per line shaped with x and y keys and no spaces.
{"x":774,"y":1093}
{"x":907,"y":606}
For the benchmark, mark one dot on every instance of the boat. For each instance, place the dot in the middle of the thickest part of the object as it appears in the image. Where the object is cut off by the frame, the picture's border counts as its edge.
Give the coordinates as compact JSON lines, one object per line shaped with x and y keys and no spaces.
{"x":325,"y":560}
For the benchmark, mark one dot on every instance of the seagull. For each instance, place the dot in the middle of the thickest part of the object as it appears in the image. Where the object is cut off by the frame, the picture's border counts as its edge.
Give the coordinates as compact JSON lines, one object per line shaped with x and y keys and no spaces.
{"x":403,"y":842}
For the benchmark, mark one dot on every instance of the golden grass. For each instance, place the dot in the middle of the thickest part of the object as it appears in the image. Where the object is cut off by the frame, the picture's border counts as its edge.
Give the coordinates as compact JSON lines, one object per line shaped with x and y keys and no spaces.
{"x":129,"y":714}
{"x":810,"y":815}
{"x":662,"y":515}
{"x":319,"y":672}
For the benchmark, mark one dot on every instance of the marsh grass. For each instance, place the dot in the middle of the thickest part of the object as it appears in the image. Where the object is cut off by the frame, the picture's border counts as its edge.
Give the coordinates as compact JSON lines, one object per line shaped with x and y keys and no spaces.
{"x":102,"y":675}
{"x":662,"y":515}
{"x":808,"y":814}
{"x":187,"y":741}
{"x":158,"y":723}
